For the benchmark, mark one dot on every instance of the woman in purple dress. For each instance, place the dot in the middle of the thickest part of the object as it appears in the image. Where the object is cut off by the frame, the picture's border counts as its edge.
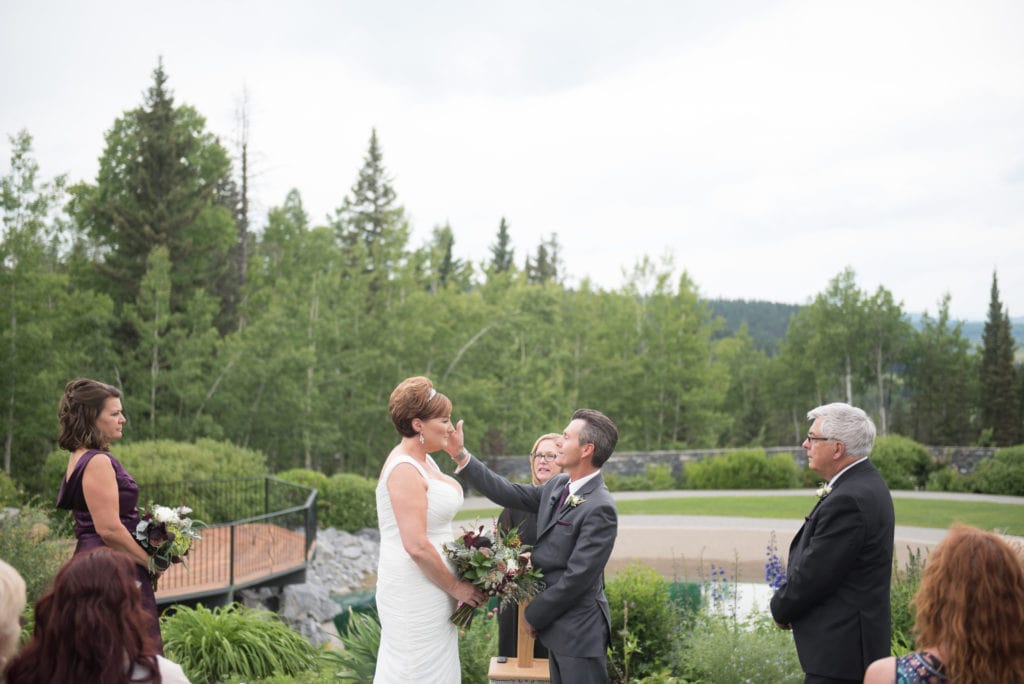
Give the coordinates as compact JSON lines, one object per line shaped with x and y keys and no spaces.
{"x":96,"y":487}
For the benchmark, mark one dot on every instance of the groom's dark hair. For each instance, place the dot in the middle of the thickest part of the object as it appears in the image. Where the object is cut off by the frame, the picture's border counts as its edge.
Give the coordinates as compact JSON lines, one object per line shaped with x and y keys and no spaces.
{"x":599,"y":431}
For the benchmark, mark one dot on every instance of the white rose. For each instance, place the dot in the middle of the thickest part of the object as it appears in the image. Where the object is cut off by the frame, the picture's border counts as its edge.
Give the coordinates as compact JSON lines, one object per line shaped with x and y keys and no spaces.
{"x":164,"y":514}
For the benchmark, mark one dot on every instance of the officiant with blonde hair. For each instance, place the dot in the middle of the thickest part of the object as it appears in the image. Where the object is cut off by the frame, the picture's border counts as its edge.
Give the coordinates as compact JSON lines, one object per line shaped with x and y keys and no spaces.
{"x":542,"y":468}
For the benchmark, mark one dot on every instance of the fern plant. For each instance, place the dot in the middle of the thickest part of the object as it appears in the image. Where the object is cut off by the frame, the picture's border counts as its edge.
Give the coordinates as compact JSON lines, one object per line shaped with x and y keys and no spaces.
{"x":358,"y":661}
{"x":213,"y":645}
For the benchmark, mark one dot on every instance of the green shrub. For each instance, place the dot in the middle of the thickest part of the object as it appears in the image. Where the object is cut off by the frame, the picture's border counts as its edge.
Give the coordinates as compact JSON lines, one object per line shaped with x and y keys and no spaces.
{"x":316,"y":480}
{"x":234,"y":641}
{"x":350,"y":502}
{"x":947,"y":479}
{"x":357,"y":662}
{"x":810,"y":479}
{"x":902,"y":589}
{"x":743,"y":469}
{"x":304,"y":477}
{"x":657,"y":477}
{"x":640,"y":595}
{"x":723,"y":650}
{"x":903,"y":463}
{"x":28,"y":543}
{"x":10,"y":493}
{"x":301,"y":678}
{"x":162,"y":462}
{"x":477,"y":645}
{"x":1003,"y":473}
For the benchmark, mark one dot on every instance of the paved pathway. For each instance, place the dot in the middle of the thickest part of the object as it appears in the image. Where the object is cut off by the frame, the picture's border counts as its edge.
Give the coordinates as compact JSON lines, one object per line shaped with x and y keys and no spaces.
{"x":684,"y":546}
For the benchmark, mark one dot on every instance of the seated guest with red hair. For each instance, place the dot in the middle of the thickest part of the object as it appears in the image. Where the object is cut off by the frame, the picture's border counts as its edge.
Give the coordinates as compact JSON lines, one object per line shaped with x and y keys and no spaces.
{"x":970,"y":610}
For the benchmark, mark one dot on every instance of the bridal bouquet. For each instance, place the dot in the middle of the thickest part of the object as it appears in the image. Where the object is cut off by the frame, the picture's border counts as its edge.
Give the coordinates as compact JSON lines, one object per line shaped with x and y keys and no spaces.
{"x":167,"y":535}
{"x":499,"y":565}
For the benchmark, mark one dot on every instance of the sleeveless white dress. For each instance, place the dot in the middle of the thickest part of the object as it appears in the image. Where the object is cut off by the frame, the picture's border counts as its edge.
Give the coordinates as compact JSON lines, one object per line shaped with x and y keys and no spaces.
{"x":418,"y":642}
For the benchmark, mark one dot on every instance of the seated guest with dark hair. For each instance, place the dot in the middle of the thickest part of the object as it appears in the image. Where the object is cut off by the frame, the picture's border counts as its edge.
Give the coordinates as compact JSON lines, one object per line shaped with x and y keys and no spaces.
{"x":92,"y":627}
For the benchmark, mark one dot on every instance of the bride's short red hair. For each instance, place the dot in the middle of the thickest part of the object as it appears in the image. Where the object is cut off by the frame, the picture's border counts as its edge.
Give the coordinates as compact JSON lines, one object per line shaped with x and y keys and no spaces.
{"x":416,"y":397}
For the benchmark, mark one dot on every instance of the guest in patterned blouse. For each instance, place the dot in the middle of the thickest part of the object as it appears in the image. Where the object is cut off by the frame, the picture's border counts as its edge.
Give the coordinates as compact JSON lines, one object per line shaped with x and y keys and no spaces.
{"x":970,"y":609}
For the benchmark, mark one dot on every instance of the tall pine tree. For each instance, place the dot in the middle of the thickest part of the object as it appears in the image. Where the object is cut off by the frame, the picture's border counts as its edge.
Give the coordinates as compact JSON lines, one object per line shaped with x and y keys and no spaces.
{"x":999,"y":397}
{"x":546,"y":264}
{"x":502,"y":253}
{"x":163,"y":181}
{"x":370,"y":224}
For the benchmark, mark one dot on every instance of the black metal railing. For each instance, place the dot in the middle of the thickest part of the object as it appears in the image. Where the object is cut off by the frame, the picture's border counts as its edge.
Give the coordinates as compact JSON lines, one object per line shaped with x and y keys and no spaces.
{"x":255,"y":529}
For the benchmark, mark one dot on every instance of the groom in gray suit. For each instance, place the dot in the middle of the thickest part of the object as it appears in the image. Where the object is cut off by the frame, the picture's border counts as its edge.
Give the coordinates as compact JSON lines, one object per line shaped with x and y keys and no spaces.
{"x":576,"y":527}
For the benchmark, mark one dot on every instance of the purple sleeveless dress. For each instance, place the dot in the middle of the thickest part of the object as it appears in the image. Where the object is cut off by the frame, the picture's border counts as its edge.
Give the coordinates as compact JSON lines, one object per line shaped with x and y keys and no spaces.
{"x":71,"y":497}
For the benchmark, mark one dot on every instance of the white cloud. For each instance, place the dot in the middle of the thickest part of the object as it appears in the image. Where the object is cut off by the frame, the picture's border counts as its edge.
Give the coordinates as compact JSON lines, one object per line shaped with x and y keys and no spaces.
{"x":765,"y":145}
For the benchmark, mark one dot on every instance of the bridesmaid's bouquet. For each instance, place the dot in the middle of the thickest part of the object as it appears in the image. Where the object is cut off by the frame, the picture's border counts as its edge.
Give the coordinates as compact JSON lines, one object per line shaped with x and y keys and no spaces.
{"x":167,"y":535}
{"x":499,"y":565}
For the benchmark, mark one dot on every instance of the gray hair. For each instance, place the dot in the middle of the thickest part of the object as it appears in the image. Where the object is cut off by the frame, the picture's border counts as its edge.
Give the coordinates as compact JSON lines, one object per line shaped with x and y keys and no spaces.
{"x":846,"y":424}
{"x":12,"y":602}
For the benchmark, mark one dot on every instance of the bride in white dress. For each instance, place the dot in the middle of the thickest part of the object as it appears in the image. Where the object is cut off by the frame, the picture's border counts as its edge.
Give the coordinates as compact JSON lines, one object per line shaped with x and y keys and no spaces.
{"x":416,"y":588}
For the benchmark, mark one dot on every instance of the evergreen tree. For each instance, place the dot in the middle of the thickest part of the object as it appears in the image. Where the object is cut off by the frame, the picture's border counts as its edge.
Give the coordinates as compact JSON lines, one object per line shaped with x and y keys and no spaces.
{"x":370,"y":224}
{"x":435,"y":265}
{"x":502,"y":253}
{"x":546,"y":264}
{"x":999,"y":398}
{"x":163,"y":181}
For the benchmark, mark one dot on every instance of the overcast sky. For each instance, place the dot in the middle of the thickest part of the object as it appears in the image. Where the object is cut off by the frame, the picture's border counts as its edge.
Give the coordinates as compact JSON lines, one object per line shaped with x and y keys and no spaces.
{"x":764,"y":146}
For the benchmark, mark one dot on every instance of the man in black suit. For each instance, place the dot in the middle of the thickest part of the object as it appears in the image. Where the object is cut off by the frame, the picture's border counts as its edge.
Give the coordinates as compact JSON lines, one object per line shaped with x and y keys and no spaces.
{"x":836,"y":595}
{"x":576,"y":527}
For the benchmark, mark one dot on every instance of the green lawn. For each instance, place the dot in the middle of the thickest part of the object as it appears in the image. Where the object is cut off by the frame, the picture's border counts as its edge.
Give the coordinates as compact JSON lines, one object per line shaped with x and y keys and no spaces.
{"x":1008,"y":518}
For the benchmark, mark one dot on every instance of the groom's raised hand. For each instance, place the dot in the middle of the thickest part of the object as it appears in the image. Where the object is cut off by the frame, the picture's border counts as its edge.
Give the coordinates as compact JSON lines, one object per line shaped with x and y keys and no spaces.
{"x":456,"y":445}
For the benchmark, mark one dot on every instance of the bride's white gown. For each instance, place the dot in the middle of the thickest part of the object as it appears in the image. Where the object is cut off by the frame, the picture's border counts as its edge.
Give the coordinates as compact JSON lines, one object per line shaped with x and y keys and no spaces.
{"x":418,"y":642}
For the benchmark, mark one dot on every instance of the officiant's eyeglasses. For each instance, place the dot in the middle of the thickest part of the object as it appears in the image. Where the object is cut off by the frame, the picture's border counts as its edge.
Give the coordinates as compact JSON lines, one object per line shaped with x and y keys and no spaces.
{"x":549,"y":457}
{"x":812,"y":438}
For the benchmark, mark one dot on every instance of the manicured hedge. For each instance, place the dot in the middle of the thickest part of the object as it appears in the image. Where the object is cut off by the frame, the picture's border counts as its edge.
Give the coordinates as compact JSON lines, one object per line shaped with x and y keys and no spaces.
{"x":345,"y":501}
{"x":161,"y":462}
{"x":1003,"y":473}
{"x":743,"y":469}
{"x":903,"y":463}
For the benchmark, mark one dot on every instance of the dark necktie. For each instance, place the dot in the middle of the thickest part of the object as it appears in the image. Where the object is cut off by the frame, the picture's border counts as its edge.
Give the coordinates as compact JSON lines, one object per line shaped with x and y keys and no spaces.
{"x":565,"y":495}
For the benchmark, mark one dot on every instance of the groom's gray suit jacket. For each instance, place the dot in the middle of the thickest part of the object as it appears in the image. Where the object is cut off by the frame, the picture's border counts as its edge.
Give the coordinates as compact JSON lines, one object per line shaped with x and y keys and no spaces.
{"x":573,"y":546}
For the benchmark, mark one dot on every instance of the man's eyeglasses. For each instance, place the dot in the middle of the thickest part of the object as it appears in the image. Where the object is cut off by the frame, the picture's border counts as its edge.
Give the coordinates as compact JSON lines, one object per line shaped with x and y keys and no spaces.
{"x":545,"y":457}
{"x":812,"y":438}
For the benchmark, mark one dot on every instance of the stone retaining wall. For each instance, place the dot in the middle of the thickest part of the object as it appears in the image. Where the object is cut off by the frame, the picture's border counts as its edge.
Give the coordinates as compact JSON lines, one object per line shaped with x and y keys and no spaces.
{"x":963,"y":458}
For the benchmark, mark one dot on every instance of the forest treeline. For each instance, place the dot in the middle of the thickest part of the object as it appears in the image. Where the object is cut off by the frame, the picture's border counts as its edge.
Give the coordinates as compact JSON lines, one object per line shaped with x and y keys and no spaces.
{"x":289,"y":340}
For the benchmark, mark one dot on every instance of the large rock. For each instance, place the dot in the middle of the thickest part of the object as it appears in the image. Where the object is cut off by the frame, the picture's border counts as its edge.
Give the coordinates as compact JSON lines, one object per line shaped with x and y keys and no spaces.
{"x":343,"y":563}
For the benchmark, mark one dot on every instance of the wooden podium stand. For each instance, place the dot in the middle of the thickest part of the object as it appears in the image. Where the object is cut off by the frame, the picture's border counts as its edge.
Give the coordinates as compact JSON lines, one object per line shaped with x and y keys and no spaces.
{"x":524,"y":667}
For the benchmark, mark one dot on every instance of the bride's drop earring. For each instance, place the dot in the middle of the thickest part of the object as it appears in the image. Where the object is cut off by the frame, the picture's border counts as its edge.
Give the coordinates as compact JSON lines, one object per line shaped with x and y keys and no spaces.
{"x":421,"y":438}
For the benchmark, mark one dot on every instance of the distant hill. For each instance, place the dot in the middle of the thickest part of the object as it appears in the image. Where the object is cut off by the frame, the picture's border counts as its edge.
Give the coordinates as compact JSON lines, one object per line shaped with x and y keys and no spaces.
{"x":974,"y":331}
{"x":766,"y":321}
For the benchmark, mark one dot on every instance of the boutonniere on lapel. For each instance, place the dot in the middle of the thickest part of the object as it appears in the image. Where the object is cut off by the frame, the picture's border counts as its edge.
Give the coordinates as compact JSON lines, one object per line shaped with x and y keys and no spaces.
{"x":824,"y":490}
{"x":574,"y":500}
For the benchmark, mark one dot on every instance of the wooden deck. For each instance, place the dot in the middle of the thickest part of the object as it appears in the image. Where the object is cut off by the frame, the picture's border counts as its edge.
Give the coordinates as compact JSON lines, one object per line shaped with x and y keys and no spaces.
{"x":262,"y":552}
